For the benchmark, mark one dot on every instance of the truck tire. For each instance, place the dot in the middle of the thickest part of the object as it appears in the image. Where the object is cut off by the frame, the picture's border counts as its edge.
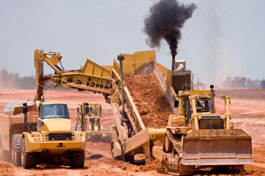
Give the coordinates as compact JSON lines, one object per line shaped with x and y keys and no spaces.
{"x":77,"y":159}
{"x":16,"y":149}
{"x":28,"y":160}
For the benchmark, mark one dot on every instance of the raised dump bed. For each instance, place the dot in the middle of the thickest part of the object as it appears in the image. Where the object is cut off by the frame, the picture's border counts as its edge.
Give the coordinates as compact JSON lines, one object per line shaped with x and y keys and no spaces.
{"x":12,"y":123}
{"x":149,"y":99}
{"x":147,"y":104}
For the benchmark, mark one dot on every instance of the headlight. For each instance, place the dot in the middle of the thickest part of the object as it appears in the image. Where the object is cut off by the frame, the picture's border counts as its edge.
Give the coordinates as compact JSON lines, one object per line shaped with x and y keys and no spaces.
{"x":73,"y":136}
{"x":47,"y":137}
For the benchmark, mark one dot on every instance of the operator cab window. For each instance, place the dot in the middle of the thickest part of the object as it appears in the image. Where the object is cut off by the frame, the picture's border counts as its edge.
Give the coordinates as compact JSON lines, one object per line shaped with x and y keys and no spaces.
{"x":49,"y":111}
{"x":202,"y":105}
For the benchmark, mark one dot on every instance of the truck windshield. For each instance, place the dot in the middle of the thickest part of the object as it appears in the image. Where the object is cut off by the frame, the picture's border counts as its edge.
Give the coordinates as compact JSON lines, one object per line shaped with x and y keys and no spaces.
{"x":54,"y":111}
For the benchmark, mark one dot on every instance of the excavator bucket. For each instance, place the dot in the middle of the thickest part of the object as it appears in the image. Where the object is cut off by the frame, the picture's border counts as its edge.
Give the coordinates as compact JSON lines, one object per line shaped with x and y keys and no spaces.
{"x":99,"y":136}
{"x":217,"y":148}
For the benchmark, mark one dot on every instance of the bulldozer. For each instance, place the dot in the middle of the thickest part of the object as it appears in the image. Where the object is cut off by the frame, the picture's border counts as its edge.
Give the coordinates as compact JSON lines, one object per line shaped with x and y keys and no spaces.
{"x":198,"y":137}
{"x":43,"y":136}
{"x":89,"y":119}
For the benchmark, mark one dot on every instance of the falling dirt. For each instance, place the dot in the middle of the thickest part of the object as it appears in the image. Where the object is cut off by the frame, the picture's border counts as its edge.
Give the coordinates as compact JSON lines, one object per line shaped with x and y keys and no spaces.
{"x":149,"y":99}
{"x":248,"y":113}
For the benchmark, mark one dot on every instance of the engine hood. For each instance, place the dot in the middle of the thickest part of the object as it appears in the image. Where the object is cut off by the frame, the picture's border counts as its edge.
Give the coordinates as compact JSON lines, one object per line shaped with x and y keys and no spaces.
{"x":56,"y":125}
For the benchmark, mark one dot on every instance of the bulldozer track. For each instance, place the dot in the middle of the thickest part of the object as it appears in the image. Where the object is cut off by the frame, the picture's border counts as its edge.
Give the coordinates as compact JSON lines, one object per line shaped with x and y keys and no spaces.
{"x":176,"y":143}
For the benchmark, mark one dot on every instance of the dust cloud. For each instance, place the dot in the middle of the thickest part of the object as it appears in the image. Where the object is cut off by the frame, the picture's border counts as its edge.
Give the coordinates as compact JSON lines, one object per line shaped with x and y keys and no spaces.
{"x":14,"y":81}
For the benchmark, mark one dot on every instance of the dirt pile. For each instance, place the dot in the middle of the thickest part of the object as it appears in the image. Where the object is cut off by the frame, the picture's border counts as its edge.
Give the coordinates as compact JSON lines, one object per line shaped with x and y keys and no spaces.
{"x":6,"y":169}
{"x":149,"y":99}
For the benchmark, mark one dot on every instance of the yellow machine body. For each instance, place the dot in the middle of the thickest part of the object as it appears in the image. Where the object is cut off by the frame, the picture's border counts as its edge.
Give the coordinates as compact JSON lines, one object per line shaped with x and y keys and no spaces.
{"x":39,"y":142}
{"x":54,"y":133}
{"x":198,"y":137}
{"x":89,"y":117}
{"x":43,"y":132}
{"x":90,"y":77}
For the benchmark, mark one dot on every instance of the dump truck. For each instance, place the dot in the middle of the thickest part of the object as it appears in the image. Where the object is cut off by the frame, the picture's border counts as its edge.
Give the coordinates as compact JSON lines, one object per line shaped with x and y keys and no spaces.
{"x":12,"y":124}
{"x":198,"y":144}
{"x":41,"y":135}
{"x":89,"y":119}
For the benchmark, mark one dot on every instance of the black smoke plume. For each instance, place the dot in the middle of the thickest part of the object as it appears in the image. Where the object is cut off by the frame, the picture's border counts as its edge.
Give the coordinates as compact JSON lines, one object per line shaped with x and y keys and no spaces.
{"x":165,"y":20}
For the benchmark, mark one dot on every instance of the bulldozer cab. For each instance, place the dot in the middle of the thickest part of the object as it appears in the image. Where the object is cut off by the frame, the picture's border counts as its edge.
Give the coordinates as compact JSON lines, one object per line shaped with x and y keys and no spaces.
{"x":202,"y":104}
{"x":91,"y":110}
{"x":198,"y":109}
{"x":89,"y":116}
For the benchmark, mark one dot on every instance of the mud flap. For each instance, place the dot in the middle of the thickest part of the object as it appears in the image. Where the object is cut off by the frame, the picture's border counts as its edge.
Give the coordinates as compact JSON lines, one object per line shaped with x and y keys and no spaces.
{"x":217,"y":148}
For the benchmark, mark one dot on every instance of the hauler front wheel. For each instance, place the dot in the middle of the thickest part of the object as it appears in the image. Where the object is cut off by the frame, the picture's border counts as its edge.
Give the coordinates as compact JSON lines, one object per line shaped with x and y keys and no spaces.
{"x":77,"y":159}
{"x":16,"y":149}
{"x":28,"y":160}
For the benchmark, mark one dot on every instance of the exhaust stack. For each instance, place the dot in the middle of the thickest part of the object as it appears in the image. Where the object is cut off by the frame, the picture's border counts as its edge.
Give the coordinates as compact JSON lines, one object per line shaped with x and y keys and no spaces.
{"x":173,"y":63}
{"x":121,"y":58}
{"x":212,"y":99}
{"x":25,"y":109}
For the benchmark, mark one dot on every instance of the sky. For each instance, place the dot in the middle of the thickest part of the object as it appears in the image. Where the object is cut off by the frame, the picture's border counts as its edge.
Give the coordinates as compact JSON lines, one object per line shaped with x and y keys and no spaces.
{"x":224,"y":37}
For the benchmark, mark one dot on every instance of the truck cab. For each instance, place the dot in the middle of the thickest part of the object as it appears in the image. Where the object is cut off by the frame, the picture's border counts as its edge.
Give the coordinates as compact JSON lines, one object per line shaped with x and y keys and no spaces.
{"x":54,"y":117}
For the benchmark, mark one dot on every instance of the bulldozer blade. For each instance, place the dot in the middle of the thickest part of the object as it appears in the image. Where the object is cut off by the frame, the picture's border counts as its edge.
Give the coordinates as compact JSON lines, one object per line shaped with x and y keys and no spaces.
{"x":99,"y":136}
{"x":217,"y":148}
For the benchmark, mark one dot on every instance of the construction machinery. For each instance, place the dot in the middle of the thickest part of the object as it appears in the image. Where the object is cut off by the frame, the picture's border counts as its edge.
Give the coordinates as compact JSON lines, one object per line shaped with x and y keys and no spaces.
{"x":194,"y":138}
{"x":89,"y":119}
{"x":198,"y":137}
{"x":12,"y":124}
{"x":90,"y":77}
{"x":41,"y":135}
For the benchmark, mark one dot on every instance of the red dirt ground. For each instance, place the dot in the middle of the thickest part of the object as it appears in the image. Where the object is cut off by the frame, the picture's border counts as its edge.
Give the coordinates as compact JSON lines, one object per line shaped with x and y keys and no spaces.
{"x":247,"y":107}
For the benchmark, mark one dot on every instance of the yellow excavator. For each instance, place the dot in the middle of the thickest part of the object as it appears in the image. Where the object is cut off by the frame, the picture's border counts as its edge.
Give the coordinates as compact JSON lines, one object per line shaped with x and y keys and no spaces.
{"x":89,"y":119}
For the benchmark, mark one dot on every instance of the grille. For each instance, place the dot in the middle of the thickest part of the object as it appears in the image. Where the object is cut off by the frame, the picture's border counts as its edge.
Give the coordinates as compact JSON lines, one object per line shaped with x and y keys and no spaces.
{"x":214,"y":123}
{"x":60,"y":136}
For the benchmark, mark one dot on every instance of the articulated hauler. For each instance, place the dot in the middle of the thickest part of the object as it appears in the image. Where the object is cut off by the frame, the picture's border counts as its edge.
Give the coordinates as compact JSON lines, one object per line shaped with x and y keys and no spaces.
{"x":40,"y":133}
